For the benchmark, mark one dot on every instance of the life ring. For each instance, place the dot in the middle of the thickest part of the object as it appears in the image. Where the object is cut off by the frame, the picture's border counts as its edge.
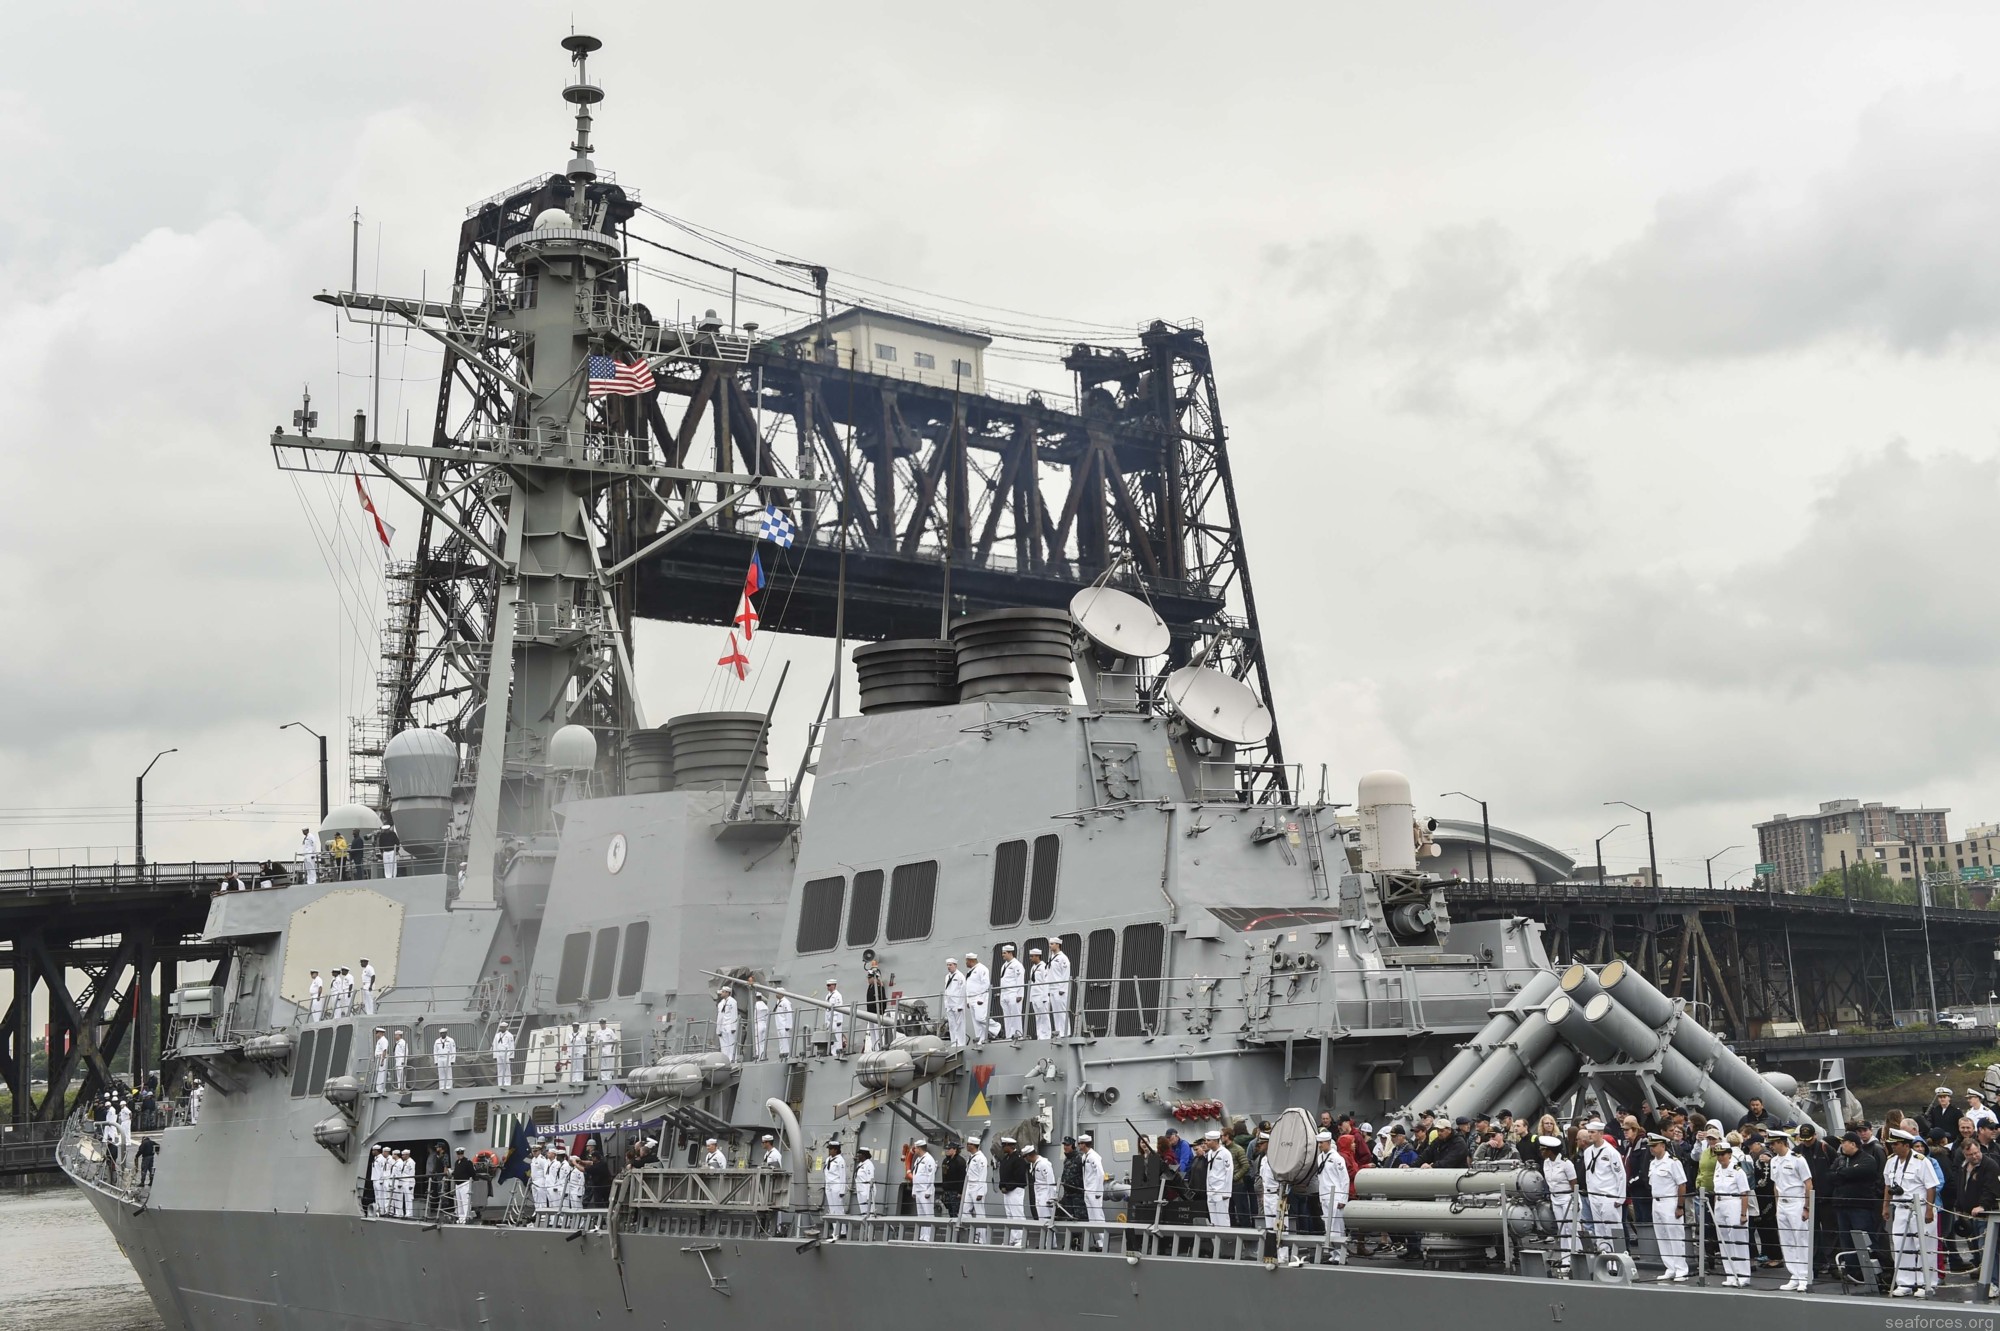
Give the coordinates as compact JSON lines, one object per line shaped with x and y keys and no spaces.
{"x":485,"y":1160}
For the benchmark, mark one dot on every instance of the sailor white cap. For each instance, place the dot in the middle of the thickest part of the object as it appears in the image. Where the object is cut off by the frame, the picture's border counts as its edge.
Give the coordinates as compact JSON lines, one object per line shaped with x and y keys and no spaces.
{"x":951,"y":961}
{"x":1903,"y":1135}
{"x":830,"y":983}
{"x":972,"y":956}
{"x":709,"y":1142}
{"x":1029,"y":1149}
{"x":1213,"y":1135}
{"x":1595,"y":1125}
{"x":769,"y":1138}
{"x":1033,"y":951}
{"x":1082,"y":1137}
{"x":972,"y":1141}
{"x":1324,"y":1136}
{"x":1552,"y":1143}
{"x":920,"y":1143}
{"x":1006,"y":947}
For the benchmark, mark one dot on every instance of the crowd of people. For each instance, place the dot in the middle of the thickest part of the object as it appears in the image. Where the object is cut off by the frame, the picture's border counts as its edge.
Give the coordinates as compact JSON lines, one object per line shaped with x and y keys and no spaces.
{"x":341,"y":858}
{"x":336,"y":996}
{"x":126,"y":1120}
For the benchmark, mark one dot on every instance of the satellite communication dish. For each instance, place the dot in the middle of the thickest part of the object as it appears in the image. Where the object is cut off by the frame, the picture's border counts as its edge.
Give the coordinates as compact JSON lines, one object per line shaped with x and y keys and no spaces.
{"x":1121,"y":624}
{"x":1218,"y":706}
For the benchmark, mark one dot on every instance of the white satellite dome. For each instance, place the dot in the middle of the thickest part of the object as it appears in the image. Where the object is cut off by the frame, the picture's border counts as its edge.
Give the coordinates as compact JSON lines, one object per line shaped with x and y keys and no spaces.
{"x":1385,"y":787}
{"x":572,"y":749}
{"x":551,"y":217}
{"x":350,"y":818}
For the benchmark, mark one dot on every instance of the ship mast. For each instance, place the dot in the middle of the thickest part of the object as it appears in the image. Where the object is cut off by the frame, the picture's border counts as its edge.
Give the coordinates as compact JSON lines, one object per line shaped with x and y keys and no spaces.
{"x":522,"y":481}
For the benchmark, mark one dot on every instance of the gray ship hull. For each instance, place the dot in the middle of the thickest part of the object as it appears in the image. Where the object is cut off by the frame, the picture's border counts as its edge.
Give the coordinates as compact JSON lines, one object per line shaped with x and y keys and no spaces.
{"x":334,"y":1273}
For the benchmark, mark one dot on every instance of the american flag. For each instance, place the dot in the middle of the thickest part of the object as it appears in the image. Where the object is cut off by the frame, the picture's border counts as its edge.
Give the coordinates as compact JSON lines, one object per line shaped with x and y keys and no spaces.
{"x":620,"y":380}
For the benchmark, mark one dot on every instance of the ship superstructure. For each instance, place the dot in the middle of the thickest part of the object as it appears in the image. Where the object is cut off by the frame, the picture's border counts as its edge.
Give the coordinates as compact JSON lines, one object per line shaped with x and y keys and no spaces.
{"x":633,"y":934}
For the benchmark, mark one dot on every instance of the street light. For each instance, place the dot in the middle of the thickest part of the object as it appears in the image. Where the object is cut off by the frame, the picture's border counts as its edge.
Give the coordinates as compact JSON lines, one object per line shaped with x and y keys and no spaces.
{"x":1485,"y":826}
{"x":1652,"y":860}
{"x":322,"y":761}
{"x":139,"y":810}
{"x":1738,"y":874}
{"x":1709,"y":864}
{"x":1600,"y":854}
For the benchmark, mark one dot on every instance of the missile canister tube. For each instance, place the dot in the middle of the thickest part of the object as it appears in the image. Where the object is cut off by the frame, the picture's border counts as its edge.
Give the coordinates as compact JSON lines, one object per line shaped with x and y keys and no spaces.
{"x":1580,"y":985}
{"x":1430,"y":1184}
{"x":1634,"y":1038}
{"x":1636,"y":994}
{"x":1566,"y":1016}
{"x":1556,"y":1068}
{"x":1503,"y":1068}
{"x":1503,"y":1024}
{"x":1382,"y":1216}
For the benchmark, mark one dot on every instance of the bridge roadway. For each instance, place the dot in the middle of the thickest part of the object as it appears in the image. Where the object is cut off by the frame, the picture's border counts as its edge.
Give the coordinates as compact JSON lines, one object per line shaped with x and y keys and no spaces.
{"x":1749,"y":958}
{"x":107,"y":943}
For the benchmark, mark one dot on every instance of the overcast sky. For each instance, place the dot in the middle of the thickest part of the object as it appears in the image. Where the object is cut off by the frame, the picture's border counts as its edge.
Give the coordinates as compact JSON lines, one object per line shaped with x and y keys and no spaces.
{"x":1610,"y":395}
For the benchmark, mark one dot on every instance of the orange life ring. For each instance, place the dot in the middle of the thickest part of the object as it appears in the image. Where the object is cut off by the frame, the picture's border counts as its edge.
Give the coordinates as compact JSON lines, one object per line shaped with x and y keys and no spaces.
{"x":485,"y":1160}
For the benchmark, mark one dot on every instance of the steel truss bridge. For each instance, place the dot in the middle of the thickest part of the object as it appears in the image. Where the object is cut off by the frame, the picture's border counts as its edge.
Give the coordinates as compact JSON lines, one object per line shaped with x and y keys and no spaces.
{"x":1751,"y":958}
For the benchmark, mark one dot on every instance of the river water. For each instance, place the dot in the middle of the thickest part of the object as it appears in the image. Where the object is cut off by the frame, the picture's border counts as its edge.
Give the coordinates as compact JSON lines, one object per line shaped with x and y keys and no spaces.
{"x":63,"y":1270}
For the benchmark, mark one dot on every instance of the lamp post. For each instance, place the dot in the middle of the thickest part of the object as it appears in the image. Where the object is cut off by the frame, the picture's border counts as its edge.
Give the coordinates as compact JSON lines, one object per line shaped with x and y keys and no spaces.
{"x":1652,"y":860}
{"x":322,"y":761}
{"x":1600,"y":854}
{"x":1709,"y":864}
{"x":139,"y":810}
{"x":1485,"y":827}
{"x":1738,"y":874}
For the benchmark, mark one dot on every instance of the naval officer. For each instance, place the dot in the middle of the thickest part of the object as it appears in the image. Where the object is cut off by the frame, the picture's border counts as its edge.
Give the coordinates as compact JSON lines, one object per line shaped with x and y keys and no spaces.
{"x":1220,"y":1178}
{"x":1561,"y":1176}
{"x":1335,"y":1187}
{"x":1012,"y":1170}
{"x":309,"y":854}
{"x":579,"y":1053}
{"x":368,"y":984}
{"x":381,"y":1060}
{"x":773,"y":1157}
{"x":444,"y":1052}
{"x":781,"y":1024}
{"x":607,"y":1051}
{"x":836,"y":1021}
{"x":1909,"y":1205}
{"x":402,"y":1054}
{"x":1731,"y":1187}
{"x":1038,"y":994}
{"x":1604,"y":1184}
{"x":712,"y":1156}
{"x":316,"y":995}
{"x":864,"y":1181}
{"x":461,"y":1187}
{"x":760,"y":1025}
{"x":725,"y":1022}
{"x":1791,"y":1190}
{"x":1043,"y":1171}
{"x":1667,"y":1184}
{"x":833,"y":1176}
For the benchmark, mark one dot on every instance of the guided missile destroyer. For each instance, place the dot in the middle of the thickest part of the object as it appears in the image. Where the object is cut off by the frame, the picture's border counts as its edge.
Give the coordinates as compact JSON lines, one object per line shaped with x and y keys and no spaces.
{"x":597,"y":887}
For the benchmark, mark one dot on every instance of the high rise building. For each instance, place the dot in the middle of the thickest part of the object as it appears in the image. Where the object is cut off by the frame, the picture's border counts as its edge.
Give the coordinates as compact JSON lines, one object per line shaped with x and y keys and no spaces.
{"x":1804,"y":846}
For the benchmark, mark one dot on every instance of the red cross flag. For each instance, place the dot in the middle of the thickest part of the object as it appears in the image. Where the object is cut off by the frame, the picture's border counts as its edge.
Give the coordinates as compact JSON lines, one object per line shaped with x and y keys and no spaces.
{"x":746,"y":619}
{"x":736,"y":660}
{"x":382,"y":529}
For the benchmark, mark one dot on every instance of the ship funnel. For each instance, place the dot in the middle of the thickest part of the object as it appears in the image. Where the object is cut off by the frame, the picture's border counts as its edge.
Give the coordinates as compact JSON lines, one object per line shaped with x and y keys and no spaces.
{"x":711,"y":749}
{"x":420,"y":767}
{"x":906,"y":673}
{"x":1023,"y":655}
{"x":649,"y":761}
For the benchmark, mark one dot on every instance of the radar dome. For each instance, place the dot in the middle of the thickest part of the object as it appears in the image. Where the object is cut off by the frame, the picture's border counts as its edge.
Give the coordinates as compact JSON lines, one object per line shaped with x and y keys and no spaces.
{"x":572,"y":749}
{"x":549,"y":217}
{"x":419,"y":764}
{"x":350,"y":818}
{"x":1384,"y":788}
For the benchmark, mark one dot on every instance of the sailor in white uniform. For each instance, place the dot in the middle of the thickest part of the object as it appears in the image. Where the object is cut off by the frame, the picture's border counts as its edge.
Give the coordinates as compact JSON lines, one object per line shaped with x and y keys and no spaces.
{"x":444,"y":1052}
{"x":1012,"y":982}
{"x":1732,"y":1215}
{"x":1042,"y":1171}
{"x":381,"y":1060}
{"x":1977,"y":1110}
{"x":194,"y":1104}
{"x":1093,"y":1180}
{"x":316,"y":996}
{"x":1334,"y":1189}
{"x":1604,"y":1184}
{"x":538,"y":1177}
{"x":773,"y":1157}
{"x":836,"y":1021}
{"x":368,"y":984}
{"x":503,"y":1056}
{"x":954,"y":1002}
{"x":1908,"y":1202}
{"x":341,"y":1006}
{"x":923,"y":1185}
{"x":1220,"y":1178}
{"x":607,"y":1051}
{"x":573,"y":1185}
{"x":1666,"y":1182}
{"x":712,"y":1156}
{"x":760,"y":1025}
{"x":402,"y":1054}
{"x":833,"y":1176}
{"x":781,"y":1025}
{"x":1561,"y":1176}
{"x":1269,"y":1190}
{"x":375,"y":1182}
{"x":1059,"y":988}
{"x":978,"y":998}
{"x":1038,"y":994}
{"x":978,"y":1174}
{"x":579,"y":1053}
{"x":309,"y":853}
{"x":725,"y":1022}
{"x":864,"y":1181}
{"x":1791,"y":1188}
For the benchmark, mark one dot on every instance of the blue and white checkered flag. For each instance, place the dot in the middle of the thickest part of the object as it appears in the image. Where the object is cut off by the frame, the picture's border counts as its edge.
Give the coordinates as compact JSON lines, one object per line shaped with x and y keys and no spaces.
{"x":776,"y":527}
